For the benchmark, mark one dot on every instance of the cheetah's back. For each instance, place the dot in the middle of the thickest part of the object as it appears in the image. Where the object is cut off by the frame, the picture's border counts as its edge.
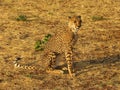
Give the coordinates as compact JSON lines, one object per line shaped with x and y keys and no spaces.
{"x":59,"y":42}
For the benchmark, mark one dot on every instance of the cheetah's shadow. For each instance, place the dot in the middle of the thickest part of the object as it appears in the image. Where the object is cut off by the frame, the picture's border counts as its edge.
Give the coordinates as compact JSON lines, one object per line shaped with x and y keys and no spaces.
{"x":87,"y":64}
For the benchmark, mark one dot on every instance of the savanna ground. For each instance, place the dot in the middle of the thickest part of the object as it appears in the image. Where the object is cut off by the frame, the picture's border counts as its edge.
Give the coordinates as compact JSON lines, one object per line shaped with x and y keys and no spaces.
{"x":96,"y":53}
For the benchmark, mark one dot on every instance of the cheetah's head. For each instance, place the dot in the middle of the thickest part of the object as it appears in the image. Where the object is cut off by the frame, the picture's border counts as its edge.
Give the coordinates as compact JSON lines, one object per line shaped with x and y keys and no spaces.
{"x":74,"y":23}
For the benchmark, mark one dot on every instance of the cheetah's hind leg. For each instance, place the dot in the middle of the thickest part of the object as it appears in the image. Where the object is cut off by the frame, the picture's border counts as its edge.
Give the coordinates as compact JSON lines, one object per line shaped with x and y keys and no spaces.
{"x":52,"y":64}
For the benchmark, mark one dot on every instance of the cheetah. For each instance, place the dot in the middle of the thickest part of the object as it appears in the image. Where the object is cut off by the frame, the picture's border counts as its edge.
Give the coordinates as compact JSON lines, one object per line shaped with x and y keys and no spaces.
{"x":61,"y":42}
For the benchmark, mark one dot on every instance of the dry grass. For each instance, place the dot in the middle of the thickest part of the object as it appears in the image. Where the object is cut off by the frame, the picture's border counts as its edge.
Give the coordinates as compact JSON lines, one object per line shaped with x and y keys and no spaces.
{"x":97,"y":51}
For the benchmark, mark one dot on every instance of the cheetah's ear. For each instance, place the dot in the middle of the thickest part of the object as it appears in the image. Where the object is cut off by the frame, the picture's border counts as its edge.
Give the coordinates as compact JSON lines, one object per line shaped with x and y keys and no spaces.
{"x":79,"y":16}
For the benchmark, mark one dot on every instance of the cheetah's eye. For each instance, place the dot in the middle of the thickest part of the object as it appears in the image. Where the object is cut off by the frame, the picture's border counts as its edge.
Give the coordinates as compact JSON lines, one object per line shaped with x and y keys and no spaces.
{"x":74,"y":21}
{"x":78,"y":16}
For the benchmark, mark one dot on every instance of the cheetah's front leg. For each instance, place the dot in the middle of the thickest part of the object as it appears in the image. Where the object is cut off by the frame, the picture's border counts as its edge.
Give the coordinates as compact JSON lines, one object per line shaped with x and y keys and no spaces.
{"x":68,"y":56}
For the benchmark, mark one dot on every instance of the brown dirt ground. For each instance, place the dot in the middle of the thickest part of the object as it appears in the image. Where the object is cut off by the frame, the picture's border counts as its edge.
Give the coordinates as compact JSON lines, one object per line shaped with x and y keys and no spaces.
{"x":96,"y":53}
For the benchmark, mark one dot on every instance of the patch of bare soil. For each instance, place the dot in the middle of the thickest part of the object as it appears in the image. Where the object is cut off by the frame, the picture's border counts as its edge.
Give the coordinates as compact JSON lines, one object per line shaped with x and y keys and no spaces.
{"x":96,"y":53}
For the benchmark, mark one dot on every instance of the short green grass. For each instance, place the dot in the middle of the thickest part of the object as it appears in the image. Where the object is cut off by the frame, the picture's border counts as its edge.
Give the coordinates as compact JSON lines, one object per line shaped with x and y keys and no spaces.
{"x":21,"y":18}
{"x":98,"y":18}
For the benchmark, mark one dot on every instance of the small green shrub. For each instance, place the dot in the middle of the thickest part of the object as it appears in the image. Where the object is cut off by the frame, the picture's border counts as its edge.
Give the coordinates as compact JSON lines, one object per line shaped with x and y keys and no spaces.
{"x":46,"y":38}
{"x":39,"y":45}
{"x":29,"y":75}
{"x":21,"y":18}
{"x":98,"y":18}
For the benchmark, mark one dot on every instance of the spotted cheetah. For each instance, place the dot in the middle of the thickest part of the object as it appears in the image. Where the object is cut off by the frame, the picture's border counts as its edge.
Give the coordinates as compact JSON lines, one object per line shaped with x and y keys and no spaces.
{"x":61,"y":42}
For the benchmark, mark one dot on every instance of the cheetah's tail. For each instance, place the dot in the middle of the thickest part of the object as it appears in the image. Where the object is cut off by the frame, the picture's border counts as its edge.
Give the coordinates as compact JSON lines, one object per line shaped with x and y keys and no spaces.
{"x":17,"y":65}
